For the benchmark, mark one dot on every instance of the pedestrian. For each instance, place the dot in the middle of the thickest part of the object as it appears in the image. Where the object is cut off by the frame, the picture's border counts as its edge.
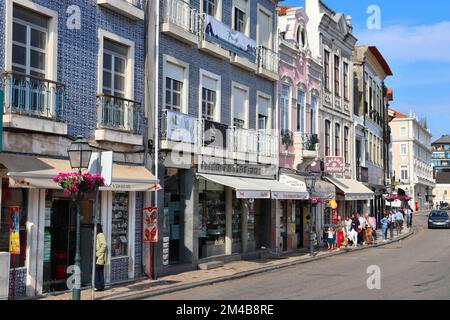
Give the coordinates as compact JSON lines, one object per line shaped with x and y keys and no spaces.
{"x":408,"y":214}
{"x":340,"y":233}
{"x":361,"y":230}
{"x":354,"y":230}
{"x":373,"y":220}
{"x":368,"y":229}
{"x":348,"y":228}
{"x":101,"y":254}
{"x":391,"y":224}
{"x":384,"y":226}
{"x":331,"y":238}
{"x":399,"y":222}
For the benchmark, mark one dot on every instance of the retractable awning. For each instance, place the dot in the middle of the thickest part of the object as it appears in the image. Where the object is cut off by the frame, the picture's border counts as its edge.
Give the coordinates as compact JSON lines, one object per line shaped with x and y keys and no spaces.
{"x":38,"y":172}
{"x":251,"y":188}
{"x":322,"y":189}
{"x":353,"y":189}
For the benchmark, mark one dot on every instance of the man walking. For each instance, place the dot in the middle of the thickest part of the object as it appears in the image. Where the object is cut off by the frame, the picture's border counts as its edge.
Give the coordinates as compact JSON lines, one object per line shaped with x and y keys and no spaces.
{"x":399,"y":222}
{"x":391,"y":224}
{"x":408,"y":214}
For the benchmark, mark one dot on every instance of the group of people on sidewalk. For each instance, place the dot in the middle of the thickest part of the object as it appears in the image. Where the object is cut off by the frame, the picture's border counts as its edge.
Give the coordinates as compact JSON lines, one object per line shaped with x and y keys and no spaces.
{"x":361,"y":229}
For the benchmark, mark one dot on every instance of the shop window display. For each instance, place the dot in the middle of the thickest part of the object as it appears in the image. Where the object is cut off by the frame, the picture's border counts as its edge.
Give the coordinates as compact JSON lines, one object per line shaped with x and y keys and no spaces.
{"x":119,"y":232}
{"x":212,"y":213}
{"x":14,"y":198}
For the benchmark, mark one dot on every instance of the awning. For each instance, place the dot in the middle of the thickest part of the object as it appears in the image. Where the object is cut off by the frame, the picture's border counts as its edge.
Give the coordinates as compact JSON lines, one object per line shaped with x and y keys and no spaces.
{"x":245,"y":188}
{"x":251,"y":188}
{"x":322,"y":189}
{"x":38,"y":172}
{"x":353,"y":189}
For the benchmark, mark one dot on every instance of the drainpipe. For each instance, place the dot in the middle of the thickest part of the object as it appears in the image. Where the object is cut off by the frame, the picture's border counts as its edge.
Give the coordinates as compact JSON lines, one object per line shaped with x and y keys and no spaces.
{"x":276,"y":125}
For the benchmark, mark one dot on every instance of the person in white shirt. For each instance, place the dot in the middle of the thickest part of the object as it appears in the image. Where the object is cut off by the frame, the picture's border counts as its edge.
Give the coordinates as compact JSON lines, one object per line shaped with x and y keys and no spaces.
{"x":408,"y":215}
{"x":362,"y":226}
{"x":399,"y":222}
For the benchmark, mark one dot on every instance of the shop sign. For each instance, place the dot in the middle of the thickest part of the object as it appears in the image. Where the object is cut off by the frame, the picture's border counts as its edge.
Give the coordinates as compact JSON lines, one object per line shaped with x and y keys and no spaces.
{"x":102,"y":163}
{"x":242,"y":194}
{"x":14,"y":231}
{"x":230,"y":39}
{"x":334,"y":165}
{"x":165,"y":260}
{"x":150,"y":225}
{"x":289,"y":196}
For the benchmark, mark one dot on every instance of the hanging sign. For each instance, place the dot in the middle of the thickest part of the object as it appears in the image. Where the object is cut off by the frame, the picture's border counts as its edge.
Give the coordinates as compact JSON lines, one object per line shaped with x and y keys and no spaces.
{"x":150,"y":225}
{"x":334,"y":165}
{"x":14,"y":232}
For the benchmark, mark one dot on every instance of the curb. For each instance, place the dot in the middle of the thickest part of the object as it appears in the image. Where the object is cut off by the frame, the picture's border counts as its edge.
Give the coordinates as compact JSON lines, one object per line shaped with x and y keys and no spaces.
{"x":244,"y":274}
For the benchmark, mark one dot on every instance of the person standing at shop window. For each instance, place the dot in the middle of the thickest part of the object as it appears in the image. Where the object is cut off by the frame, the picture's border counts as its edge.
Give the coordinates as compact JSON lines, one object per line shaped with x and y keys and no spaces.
{"x":101,"y":254}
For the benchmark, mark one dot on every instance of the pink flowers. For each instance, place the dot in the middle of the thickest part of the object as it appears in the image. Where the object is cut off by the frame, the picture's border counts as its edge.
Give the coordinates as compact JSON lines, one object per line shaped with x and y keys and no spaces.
{"x":73,"y":183}
{"x":315,"y":201}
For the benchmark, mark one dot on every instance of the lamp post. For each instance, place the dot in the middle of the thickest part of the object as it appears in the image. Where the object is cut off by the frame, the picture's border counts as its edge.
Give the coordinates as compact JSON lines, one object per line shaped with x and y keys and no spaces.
{"x":310,"y":181}
{"x":79,"y":155}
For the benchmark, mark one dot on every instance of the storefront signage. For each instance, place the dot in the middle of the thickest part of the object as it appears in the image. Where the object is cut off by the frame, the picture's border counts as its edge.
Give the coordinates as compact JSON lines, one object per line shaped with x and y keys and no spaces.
{"x":334,"y":164}
{"x":150,"y":225}
{"x":230,"y":39}
{"x":289,"y":196}
{"x":240,"y":194}
{"x":102,"y":163}
{"x":222,"y":167}
{"x":165,"y":260}
{"x":14,"y":231}
{"x":180,"y":127}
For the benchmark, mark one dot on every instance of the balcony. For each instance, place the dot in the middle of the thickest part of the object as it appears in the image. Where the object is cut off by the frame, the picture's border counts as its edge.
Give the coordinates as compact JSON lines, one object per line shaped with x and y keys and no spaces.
{"x":133,"y":9}
{"x":180,"y":21}
{"x":119,"y":120}
{"x":242,"y":144}
{"x":306,"y":147}
{"x":214,"y":139}
{"x":179,"y":132}
{"x":34,"y":104}
{"x":267,"y":147}
{"x":267,"y":63}
{"x":206,"y":36}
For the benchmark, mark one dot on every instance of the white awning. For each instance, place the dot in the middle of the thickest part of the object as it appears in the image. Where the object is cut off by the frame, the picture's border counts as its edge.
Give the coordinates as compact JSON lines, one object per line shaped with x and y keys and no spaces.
{"x":246,"y":188}
{"x":250,"y":188}
{"x":353,"y":189}
{"x":38,"y":172}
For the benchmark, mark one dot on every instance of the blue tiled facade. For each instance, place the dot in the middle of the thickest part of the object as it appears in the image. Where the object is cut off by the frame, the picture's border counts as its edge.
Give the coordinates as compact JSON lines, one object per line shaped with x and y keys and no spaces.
{"x":78,"y":58}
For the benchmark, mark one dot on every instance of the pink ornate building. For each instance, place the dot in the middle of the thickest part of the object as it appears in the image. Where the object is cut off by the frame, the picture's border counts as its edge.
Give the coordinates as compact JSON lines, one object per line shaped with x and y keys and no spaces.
{"x":299,"y":92}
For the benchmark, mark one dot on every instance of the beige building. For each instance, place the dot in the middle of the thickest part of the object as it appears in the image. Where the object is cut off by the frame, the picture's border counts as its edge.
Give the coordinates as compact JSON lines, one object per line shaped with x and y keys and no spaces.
{"x":441,"y":193}
{"x":411,"y":158}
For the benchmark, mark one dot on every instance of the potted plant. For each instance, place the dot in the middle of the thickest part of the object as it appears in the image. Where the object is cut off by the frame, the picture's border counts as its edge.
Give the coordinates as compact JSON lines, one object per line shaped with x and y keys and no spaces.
{"x":74,"y":183}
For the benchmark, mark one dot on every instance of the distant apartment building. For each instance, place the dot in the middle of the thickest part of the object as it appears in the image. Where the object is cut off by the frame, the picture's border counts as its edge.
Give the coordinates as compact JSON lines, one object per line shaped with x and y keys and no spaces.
{"x":411,"y":158}
{"x":441,"y":169}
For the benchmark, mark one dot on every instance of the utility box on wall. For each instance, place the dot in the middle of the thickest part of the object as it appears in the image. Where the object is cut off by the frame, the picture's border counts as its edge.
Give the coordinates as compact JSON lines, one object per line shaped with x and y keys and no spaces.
{"x":4,"y":275}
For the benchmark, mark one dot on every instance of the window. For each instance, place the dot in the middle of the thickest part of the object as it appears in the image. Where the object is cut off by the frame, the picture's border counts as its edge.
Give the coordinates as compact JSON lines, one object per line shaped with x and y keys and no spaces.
{"x":337,"y":140}
{"x":120,"y":224}
{"x":176,"y":75}
{"x":14,"y":198}
{"x":346,"y":155}
{"x":337,"y":65}
{"x":265,"y":27}
{"x":285,"y":106}
{"x":264,"y":110}
{"x":301,"y":99}
{"x":29,"y":42}
{"x":114,"y":68}
{"x":301,"y":37}
{"x":327,"y":70}
{"x":240,"y":106}
{"x":208,"y":104}
{"x":346,"y":82}
{"x":403,"y":131}
{"x":404,"y":173}
{"x":327,"y":137}
{"x":403,"y":149}
{"x":239,"y":20}
{"x":314,"y":112}
{"x":210,"y":7}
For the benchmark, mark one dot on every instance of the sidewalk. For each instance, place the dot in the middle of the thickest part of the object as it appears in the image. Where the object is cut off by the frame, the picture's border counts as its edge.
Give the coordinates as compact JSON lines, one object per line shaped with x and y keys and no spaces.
{"x":233,"y":270}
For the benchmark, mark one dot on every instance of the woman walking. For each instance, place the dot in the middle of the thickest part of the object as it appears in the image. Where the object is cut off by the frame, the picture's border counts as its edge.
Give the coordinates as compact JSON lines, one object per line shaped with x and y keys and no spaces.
{"x":101,"y":254}
{"x":340,"y":233}
{"x":384,"y":226}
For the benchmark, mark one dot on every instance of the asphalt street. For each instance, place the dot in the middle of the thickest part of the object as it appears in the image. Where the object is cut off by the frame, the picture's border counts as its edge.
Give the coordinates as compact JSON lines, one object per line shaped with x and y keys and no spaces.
{"x":415,"y":268}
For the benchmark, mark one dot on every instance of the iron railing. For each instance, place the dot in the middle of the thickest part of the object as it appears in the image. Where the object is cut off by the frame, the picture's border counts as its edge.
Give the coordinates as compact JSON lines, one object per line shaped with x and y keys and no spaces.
{"x":179,"y":127}
{"x":267,"y":59}
{"x":180,"y":13}
{"x":120,"y":114}
{"x":137,"y":3}
{"x":33,"y":96}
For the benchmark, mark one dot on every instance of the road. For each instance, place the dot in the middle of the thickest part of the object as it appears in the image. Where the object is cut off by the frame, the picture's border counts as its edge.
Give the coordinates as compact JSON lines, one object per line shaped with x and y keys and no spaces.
{"x":415,"y":268}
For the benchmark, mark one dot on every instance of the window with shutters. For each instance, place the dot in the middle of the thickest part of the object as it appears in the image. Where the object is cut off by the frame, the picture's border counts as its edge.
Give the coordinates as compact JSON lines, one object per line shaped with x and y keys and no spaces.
{"x":240,"y":97}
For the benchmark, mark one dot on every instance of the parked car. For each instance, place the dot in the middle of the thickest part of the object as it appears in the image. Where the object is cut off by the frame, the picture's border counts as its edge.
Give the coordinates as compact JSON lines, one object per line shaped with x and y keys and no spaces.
{"x":438,"y":219}
{"x":444,"y":206}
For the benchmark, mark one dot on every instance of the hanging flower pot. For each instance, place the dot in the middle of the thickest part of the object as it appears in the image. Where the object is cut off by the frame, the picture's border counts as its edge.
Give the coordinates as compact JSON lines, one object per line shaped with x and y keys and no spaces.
{"x":314,"y":201}
{"x":74,"y":183}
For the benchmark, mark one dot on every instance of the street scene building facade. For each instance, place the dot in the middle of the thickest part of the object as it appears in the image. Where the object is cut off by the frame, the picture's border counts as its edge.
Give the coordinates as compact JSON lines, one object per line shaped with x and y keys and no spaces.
{"x":441,"y":170}
{"x":62,"y":80}
{"x":411,"y":159}
{"x":249,"y":127}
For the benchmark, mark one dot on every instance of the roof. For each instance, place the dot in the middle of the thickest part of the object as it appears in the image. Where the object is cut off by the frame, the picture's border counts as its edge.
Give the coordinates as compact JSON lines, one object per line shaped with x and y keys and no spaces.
{"x":283,"y":10}
{"x":381,"y":60}
{"x":398,"y":115}
{"x":442,"y":177}
{"x":442,"y":140}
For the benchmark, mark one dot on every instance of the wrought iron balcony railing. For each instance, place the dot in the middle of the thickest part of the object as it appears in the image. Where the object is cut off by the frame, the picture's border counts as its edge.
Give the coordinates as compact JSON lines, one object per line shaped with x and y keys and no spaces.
{"x":267,"y":59}
{"x":182,"y":15}
{"x":120,"y":114}
{"x":137,"y":3}
{"x":33,"y":96}
{"x":310,"y":141}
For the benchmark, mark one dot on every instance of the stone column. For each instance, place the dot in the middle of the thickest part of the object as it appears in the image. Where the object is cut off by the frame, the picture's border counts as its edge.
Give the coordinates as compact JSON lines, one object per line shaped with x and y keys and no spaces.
{"x":190,"y":213}
{"x":228,"y":220}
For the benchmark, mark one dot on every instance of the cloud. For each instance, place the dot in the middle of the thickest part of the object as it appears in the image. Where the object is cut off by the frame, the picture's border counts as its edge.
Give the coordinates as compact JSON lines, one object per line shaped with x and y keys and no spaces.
{"x":403,"y":44}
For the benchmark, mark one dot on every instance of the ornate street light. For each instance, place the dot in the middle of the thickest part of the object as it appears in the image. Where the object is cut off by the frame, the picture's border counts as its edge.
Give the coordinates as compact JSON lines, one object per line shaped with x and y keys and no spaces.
{"x":310,"y":180}
{"x":79,"y":155}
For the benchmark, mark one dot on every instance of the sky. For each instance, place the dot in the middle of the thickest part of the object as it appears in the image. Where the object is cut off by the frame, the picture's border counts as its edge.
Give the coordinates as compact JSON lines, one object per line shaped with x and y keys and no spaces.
{"x":415,"y":40}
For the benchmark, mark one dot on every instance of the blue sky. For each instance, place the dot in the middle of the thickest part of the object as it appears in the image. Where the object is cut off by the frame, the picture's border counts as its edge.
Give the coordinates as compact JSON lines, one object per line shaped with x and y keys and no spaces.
{"x":415,"y":40}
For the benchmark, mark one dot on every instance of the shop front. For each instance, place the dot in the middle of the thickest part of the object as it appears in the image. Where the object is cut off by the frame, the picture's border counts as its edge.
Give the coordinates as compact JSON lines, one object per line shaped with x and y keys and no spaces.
{"x":48,"y":222}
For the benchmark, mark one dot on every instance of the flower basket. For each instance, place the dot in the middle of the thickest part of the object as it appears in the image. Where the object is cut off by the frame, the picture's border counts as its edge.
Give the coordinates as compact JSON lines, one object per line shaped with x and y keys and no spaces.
{"x":391,"y":198}
{"x":314,"y":201}
{"x":74,"y":183}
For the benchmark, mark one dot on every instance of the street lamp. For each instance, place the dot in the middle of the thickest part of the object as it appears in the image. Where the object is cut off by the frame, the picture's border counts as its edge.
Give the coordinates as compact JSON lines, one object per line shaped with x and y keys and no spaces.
{"x":310,"y":181}
{"x":79,"y":156}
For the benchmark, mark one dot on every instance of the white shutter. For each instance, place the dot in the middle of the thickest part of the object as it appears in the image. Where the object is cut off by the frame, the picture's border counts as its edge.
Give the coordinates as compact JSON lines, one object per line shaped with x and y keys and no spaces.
{"x":175,"y":72}
{"x":241,"y":5}
{"x":265,"y":29}
{"x":263,"y":106}
{"x":209,"y":83}
{"x":239,"y":98}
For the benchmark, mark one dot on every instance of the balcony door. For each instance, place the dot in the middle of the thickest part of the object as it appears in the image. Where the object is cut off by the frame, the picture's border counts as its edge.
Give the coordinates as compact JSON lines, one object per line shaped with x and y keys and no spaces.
{"x":264,"y":28}
{"x":29,"y":57}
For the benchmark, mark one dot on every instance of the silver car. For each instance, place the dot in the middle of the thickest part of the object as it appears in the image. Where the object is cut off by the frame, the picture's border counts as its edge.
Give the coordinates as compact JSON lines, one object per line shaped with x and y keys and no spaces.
{"x":438,"y":219}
